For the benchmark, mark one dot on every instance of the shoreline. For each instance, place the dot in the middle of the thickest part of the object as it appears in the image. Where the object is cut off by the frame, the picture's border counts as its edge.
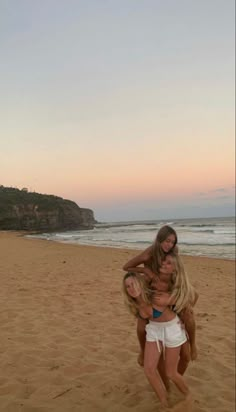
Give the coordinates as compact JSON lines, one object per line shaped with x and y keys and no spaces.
{"x":117,"y":248}
{"x":66,"y":331}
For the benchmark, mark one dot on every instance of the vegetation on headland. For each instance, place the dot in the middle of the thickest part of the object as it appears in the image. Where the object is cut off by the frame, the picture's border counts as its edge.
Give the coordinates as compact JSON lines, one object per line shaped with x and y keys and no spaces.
{"x":24,"y":210}
{"x":12,"y":196}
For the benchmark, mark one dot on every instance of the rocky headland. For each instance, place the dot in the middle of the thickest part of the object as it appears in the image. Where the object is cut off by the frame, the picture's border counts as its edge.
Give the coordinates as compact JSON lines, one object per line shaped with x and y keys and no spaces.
{"x":30,"y":211}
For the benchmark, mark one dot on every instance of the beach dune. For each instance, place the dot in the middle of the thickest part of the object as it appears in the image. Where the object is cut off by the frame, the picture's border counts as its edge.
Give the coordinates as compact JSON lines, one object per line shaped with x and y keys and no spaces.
{"x":68,"y":343}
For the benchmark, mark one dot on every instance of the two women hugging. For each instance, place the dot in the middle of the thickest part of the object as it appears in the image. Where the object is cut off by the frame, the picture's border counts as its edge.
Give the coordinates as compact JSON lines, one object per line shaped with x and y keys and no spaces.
{"x":158,"y":292}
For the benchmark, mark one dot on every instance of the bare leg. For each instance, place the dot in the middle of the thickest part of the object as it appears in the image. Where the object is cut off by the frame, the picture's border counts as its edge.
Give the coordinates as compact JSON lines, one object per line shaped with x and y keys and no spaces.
{"x":141,"y":333}
{"x":187,"y":317}
{"x":185,"y":358}
{"x":151,"y":359}
{"x":162,"y":371}
{"x":171,"y":360}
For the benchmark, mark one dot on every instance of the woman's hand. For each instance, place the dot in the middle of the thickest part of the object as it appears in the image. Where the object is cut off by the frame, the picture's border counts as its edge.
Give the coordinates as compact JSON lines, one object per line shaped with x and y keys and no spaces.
{"x":143,"y":270}
{"x":162,"y":299}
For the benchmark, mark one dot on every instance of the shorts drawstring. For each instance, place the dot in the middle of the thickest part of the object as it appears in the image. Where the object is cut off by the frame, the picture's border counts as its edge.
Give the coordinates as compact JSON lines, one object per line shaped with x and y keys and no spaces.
{"x":163,"y":343}
{"x":158,"y":345}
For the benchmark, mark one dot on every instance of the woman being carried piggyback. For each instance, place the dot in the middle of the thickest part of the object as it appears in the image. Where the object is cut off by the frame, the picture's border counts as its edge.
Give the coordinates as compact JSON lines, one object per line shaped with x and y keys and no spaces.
{"x":153,"y":258}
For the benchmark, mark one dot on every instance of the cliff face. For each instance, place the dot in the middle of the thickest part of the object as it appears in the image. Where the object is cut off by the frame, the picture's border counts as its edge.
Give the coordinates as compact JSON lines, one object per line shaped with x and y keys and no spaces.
{"x":20,"y":210}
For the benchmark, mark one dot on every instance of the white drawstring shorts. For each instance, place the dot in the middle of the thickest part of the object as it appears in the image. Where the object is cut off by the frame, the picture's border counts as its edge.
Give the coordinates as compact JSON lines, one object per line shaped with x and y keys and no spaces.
{"x":172,"y":334}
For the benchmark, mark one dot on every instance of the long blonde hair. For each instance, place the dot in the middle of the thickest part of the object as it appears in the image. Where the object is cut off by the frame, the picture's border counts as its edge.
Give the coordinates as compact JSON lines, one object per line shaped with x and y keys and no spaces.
{"x":182,"y":290}
{"x":158,"y":256}
{"x":146,"y":293}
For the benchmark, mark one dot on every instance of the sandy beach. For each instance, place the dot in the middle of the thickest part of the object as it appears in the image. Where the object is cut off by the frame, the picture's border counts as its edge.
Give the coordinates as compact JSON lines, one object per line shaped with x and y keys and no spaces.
{"x":68,"y":343}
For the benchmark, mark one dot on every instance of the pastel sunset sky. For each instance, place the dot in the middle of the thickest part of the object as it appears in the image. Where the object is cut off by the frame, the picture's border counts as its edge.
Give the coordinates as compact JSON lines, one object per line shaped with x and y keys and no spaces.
{"x":125,"y":107}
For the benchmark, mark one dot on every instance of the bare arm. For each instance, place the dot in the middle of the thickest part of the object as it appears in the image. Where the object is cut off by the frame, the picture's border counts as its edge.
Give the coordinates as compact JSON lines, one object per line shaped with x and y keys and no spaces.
{"x":145,"y":270}
{"x":164,"y":299}
{"x":139,"y":259}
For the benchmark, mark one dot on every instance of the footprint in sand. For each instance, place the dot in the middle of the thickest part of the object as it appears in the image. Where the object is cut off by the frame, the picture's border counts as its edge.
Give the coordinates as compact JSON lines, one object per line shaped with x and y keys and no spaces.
{"x":185,"y":405}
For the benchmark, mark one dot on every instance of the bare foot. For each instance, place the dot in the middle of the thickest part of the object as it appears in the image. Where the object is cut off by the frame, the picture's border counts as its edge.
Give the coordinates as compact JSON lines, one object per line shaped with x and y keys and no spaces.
{"x":164,"y":406}
{"x":141,"y":359}
{"x":193,"y":351}
{"x":185,"y":405}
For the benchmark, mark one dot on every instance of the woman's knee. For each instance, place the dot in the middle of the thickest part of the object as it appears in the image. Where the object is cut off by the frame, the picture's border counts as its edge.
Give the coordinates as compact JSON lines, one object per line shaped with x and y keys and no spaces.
{"x":149,"y":371}
{"x":171,"y":373}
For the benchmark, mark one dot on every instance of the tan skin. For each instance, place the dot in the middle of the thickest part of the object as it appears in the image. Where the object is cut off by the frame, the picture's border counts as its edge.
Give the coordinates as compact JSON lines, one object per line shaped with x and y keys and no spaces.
{"x":152,"y":354}
{"x":162,"y":283}
{"x":186,"y":315}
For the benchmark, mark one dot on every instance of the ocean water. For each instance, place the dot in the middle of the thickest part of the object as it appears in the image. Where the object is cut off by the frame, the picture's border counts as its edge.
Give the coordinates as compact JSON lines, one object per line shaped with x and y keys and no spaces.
{"x":212,"y":237}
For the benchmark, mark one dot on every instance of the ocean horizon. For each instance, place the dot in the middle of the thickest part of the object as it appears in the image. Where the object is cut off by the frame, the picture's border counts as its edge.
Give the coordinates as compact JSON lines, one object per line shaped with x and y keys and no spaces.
{"x":211,"y":237}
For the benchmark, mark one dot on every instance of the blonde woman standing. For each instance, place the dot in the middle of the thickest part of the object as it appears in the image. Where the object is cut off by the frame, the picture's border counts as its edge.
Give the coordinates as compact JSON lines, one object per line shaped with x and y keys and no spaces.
{"x":153,"y":258}
{"x":164,"y":332}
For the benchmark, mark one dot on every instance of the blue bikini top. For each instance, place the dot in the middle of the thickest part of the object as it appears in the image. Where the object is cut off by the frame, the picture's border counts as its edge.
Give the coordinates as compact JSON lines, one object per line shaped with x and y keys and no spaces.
{"x":156,"y":313}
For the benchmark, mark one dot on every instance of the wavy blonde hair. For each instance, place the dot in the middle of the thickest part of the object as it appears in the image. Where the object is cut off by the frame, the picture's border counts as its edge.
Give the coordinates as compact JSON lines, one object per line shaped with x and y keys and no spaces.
{"x":182,"y":290}
{"x":146,"y":293}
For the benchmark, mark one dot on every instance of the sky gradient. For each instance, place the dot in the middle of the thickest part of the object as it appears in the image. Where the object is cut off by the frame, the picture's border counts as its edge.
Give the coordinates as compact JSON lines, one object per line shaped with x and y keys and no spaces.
{"x":125,"y":107}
